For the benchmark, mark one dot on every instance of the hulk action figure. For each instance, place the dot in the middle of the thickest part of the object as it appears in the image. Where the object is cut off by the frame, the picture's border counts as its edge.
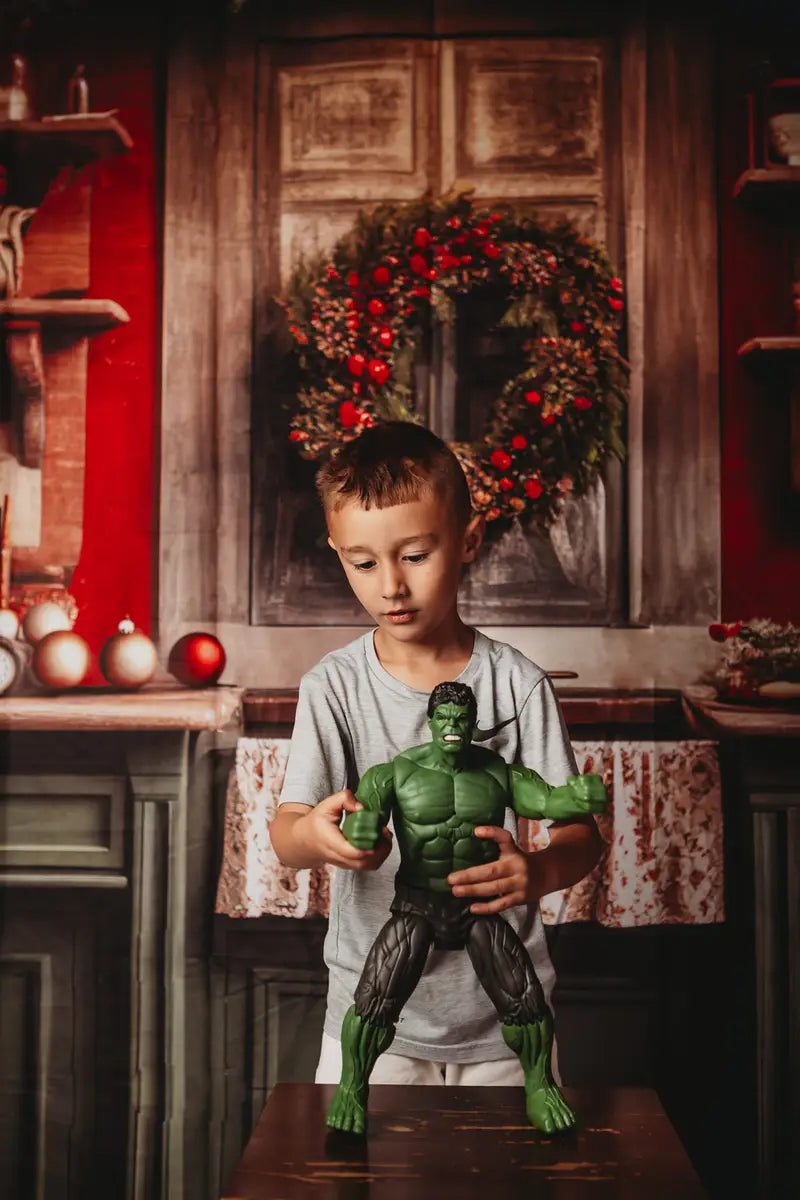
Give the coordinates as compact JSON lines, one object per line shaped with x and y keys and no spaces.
{"x":437,"y":794}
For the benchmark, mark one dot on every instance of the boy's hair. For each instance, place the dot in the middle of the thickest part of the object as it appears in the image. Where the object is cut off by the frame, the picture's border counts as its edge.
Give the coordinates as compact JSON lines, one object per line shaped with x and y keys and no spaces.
{"x":453,"y":693}
{"x":392,"y":463}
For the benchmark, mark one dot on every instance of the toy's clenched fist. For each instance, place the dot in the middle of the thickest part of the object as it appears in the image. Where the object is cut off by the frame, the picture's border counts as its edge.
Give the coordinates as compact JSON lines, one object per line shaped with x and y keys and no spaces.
{"x":363,"y":829}
{"x":581,"y":794}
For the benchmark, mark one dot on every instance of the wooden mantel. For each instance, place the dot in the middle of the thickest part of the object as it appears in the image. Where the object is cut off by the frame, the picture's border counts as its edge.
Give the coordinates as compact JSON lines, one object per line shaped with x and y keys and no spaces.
{"x":152,"y":708}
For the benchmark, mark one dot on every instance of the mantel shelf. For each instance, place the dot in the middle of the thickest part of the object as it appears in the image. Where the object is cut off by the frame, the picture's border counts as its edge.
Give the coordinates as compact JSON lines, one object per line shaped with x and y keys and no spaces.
{"x":88,"y":314}
{"x":769,"y":189}
{"x":35,"y":151}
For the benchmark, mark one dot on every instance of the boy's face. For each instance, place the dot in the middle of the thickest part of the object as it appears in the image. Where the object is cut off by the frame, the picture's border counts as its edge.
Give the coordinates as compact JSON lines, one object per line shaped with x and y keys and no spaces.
{"x":404,"y":563}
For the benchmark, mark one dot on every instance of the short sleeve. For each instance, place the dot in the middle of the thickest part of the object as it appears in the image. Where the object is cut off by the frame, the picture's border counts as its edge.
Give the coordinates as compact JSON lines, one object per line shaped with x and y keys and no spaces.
{"x":544,"y":742}
{"x":320,"y":748}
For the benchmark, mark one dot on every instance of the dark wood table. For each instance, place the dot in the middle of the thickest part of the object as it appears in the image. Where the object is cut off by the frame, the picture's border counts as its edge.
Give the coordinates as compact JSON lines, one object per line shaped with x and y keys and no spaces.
{"x":463,"y":1143}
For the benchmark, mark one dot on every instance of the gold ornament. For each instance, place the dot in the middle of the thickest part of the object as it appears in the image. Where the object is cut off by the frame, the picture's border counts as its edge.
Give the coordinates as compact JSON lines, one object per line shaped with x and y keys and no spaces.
{"x":42,"y":619}
{"x":9,"y":623}
{"x":61,"y":659}
{"x":128,"y":659}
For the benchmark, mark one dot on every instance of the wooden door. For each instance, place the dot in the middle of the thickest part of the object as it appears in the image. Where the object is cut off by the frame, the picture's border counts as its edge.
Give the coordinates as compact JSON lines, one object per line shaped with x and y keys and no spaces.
{"x":349,"y":123}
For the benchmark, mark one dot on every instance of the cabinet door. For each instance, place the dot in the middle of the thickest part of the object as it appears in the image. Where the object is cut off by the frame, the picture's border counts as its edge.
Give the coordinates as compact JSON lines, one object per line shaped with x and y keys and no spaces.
{"x":530,"y":121}
{"x":63,"y":1045}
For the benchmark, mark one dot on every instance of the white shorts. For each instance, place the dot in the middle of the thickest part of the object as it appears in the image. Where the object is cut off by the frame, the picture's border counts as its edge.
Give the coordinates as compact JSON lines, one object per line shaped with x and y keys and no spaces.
{"x":396,"y":1068}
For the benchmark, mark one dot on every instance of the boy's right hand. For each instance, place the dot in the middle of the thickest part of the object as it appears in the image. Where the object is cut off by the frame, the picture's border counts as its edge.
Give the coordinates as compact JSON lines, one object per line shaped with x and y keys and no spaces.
{"x":324,"y":839}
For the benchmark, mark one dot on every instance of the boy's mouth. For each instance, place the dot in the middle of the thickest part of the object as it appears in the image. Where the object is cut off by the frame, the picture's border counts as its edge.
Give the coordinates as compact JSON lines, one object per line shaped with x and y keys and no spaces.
{"x":399,"y":615}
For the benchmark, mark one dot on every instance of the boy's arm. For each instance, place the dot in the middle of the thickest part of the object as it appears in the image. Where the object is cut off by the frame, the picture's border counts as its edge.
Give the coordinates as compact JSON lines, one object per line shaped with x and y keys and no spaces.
{"x":532,"y":797}
{"x":375,"y":793}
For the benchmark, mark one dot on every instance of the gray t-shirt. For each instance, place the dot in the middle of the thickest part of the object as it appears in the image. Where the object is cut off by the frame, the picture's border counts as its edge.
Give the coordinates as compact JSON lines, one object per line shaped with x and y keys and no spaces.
{"x":352,"y":714}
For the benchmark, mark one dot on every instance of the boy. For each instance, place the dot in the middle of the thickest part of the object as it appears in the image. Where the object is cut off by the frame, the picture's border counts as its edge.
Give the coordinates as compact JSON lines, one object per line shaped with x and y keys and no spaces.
{"x":399,"y":517}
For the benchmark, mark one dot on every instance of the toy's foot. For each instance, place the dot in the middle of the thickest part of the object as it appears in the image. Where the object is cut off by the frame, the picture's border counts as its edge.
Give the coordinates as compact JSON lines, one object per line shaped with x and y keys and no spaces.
{"x":348,"y":1110}
{"x":547,"y":1109}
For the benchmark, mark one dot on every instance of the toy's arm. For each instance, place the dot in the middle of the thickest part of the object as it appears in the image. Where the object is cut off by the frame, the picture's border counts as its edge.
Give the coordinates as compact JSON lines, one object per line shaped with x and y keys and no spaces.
{"x":376,"y":792}
{"x":534,"y":798}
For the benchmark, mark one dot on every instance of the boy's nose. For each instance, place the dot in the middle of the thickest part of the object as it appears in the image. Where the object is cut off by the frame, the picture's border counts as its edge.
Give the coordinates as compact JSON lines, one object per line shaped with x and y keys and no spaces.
{"x":393,"y":586}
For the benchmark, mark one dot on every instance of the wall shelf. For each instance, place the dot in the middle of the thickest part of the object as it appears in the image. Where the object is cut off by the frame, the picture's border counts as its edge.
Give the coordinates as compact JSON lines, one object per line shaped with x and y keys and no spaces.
{"x":771,"y":352}
{"x":771,"y":190}
{"x":35,"y":151}
{"x":779,"y":357}
{"x":87,"y":314}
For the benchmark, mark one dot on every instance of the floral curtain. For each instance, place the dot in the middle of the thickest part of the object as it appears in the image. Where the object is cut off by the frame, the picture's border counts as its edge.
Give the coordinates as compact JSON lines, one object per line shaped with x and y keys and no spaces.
{"x":663,"y":833}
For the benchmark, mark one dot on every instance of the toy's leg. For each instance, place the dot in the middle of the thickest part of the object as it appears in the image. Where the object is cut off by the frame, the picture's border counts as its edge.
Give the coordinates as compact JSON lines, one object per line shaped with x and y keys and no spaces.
{"x":504,"y":968}
{"x":391,"y":972}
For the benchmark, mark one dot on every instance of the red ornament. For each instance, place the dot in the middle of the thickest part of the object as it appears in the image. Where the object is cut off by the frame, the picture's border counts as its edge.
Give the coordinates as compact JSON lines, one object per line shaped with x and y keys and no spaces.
{"x":353,"y":280}
{"x":533,"y":397}
{"x":376,"y":307}
{"x":422,"y":238}
{"x":385,"y":336}
{"x":381,"y":276}
{"x":197,"y":659}
{"x":501,"y":459}
{"x":582,"y":402}
{"x":533,"y":489}
{"x":378,"y":370}
{"x":418,"y":264}
{"x":356,"y":364}
{"x":519,"y":441}
{"x":348,"y":414}
{"x":506,"y":484}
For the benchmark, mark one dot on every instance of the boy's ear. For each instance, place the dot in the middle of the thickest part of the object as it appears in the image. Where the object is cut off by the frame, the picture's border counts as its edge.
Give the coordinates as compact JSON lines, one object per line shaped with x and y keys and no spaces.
{"x":330,"y":542}
{"x":473,"y":536}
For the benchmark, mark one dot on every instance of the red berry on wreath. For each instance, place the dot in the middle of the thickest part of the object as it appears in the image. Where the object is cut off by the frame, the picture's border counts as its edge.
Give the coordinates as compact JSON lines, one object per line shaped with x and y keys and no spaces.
{"x":506,"y":484}
{"x":353,"y":322}
{"x":418,"y":264}
{"x":356,"y":387}
{"x":381,"y":276}
{"x":501,"y":459}
{"x":617,"y":284}
{"x":430,"y":273}
{"x":385,"y":336}
{"x":481,"y":230}
{"x":421,"y":291}
{"x":198,"y":659}
{"x":616,"y":304}
{"x":491,"y":250}
{"x":548,"y":418}
{"x":533,"y":397}
{"x":349,"y":415}
{"x":582,"y":402}
{"x":533,"y":489}
{"x":353,"y":280}
{"x":297,"y":435}
{"x":356,"y":364}
{"x":519,"y":441}
{"x":378,"y":370}
{"x":422,"y":238}
{"x":376,"y":307}
{"x":716,"y":632}
{"x":453,"y":223}
{"x":332,"y":272}
{"x":577,"y":326}
{"x":466,"y":259}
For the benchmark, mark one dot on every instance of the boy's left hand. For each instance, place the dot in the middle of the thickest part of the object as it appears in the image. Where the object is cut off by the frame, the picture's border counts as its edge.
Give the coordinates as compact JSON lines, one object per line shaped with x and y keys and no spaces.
{"x":511,"y":878}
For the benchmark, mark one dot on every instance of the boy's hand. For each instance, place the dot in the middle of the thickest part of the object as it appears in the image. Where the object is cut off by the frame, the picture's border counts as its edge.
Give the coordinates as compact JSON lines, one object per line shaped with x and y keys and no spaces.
{"x":323,"y":838}
{"x":511,"y":878}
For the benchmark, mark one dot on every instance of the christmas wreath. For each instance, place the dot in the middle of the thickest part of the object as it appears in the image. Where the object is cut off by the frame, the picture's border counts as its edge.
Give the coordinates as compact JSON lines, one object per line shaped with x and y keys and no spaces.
{"x":357,"y":318}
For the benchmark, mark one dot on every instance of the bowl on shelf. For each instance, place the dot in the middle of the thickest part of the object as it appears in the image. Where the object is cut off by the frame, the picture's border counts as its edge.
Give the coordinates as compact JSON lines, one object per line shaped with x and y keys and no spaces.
{"x":784,"y":136}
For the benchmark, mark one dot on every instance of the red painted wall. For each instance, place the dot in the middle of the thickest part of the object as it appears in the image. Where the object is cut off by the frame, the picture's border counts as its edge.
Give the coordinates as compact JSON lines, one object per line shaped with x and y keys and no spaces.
{"x":760,"y":515}
{"x":115,"y":575}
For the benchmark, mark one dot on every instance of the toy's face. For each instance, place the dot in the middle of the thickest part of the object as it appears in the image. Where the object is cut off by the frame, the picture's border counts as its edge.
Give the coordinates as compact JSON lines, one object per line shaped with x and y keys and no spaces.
{"x":451,"y":726}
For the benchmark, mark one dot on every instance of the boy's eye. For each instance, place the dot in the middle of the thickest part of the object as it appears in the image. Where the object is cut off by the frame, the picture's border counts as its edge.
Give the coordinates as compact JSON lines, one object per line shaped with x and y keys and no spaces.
{"x":415,"y":558}
{"x":364,"y":566}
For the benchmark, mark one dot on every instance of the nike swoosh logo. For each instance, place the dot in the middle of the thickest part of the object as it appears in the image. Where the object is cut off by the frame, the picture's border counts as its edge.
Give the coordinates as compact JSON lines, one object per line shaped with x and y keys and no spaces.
{"x":483,"y":735}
